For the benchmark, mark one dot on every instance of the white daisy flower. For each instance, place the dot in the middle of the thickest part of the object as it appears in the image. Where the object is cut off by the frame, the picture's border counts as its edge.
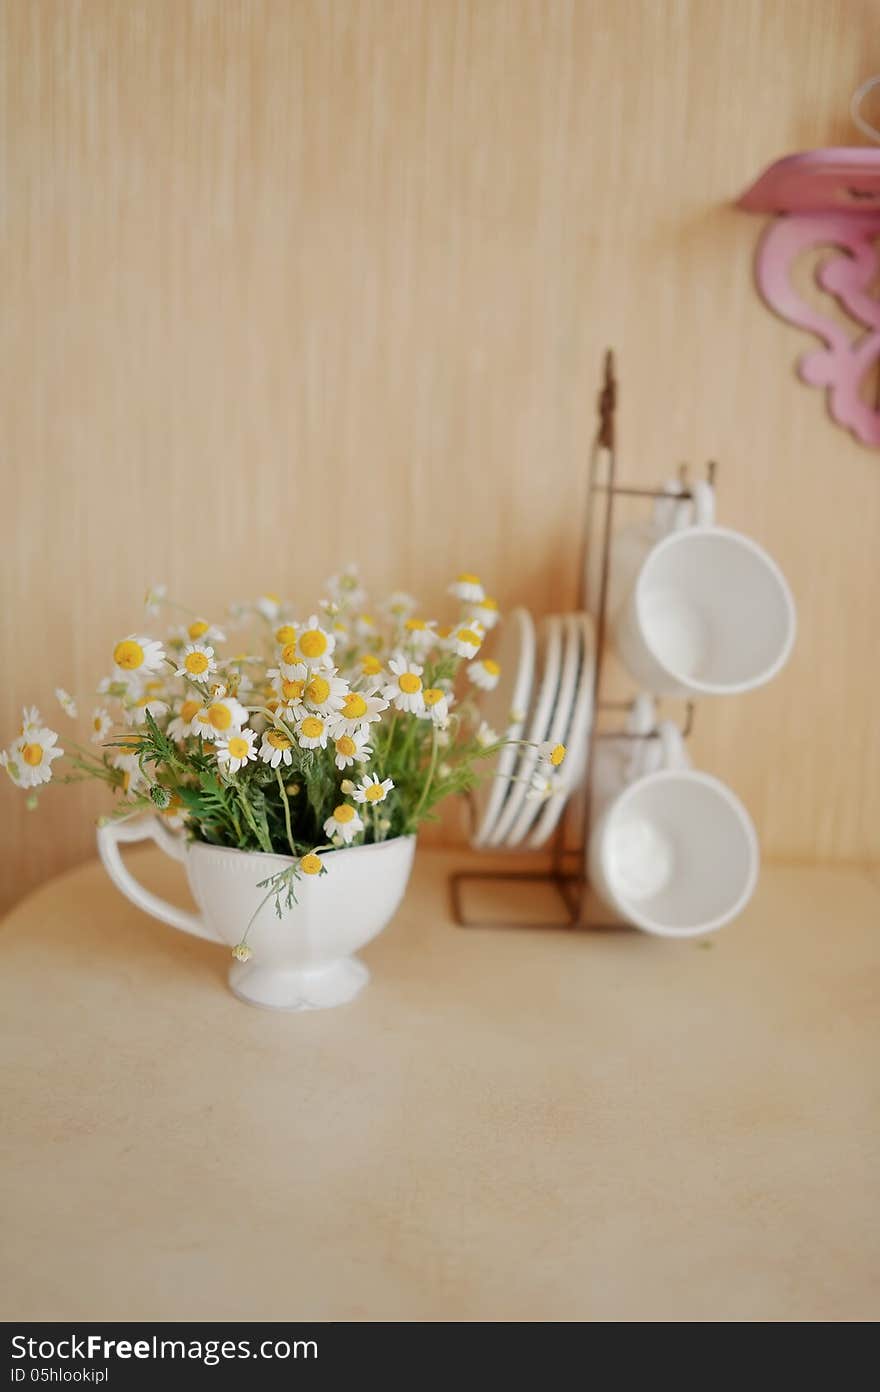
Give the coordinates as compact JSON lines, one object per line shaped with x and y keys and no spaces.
{"x":358,"y":709}
{"x":544,"y":784}
{"x":136,"y":656}
{"x":486,"y":613}
{"x":66,"y":702}
{"x":136,"y":711}
{"x":312,"y":732}
{"x":153,"y":600}
{"x":101,"y":725}
{"x":419,"y":634}
{"x":30,"y":719}
{"x":219,"y":718}
{"x":134,"y":777}
{"x":372,"y":789}
{"x":468,"y":588}
{"x":551,"y":755}
{"x":33,"y":753}
{"x":234,"y":752}
{"x":268,"y":605}
{"x":465,"y":642}
{"x":404,"y":691}
{"x":486,"y":736}
{"x":197,"y":662}
{"x":371,"y":673}
{"x":484,"y":673}
{"x":276,"y":748}
{"x":325,"y":692}
{"x":365,"y":626}
{"x":346,"y":587}
{"x":181,"y":724}
{"x":314,"y":645}
{"x":199,"y":631}
{"x":352,"y":749}
{"x":400,"y":605}
{"x":437,"y":703}
{"x":344,"y":825}
{"x":289,"y":684}
{"x":285,"y":634}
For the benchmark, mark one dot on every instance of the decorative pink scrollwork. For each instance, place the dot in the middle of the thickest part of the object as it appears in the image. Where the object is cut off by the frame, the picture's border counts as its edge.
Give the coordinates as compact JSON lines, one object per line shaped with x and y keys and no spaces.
{"x":842,"y":365}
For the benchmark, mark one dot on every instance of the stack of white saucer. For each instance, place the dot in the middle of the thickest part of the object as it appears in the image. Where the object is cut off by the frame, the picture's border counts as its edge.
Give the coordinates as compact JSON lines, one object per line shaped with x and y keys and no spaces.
{"x":694,"y":610}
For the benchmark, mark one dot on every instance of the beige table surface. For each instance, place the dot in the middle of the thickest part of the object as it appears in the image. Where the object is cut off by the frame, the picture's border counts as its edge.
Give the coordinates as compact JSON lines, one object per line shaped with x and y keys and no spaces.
{"x":505,"y":1125}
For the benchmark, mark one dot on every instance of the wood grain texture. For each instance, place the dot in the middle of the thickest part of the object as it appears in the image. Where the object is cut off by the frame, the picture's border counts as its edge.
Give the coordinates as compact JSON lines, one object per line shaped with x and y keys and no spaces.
{"x":290,"y":283}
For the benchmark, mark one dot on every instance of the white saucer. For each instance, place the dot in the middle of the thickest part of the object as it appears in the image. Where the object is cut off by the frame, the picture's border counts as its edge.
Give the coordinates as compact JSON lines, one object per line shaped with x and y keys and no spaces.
{"x":513,"y":694}
{"x":559,"y":723}
{"x":577,"y":738}
{"x":551,"y":659}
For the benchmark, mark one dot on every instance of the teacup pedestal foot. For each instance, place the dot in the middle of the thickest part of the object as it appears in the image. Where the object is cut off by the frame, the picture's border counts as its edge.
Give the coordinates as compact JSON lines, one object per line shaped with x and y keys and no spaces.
{"x":294,"y":988}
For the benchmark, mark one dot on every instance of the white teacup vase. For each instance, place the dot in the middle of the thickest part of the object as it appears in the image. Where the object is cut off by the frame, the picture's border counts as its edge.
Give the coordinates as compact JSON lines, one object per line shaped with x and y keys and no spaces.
{"x":301,"y":961}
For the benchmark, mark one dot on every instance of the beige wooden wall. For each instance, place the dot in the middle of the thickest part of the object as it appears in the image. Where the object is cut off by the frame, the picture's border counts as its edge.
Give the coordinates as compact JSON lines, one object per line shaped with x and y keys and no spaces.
{"x":289,"y":283}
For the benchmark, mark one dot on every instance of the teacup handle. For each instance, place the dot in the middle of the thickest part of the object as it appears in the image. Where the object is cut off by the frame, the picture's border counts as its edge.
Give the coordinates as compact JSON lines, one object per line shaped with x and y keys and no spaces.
{"x":147,"y":828}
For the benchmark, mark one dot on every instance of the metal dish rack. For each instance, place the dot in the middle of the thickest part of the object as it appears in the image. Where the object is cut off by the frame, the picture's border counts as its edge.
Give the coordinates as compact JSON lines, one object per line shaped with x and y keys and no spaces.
{"x":566,"y":873}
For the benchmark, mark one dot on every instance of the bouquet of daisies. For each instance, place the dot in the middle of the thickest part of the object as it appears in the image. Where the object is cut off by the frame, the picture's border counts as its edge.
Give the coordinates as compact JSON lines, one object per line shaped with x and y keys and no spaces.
{"x":341,"y":729}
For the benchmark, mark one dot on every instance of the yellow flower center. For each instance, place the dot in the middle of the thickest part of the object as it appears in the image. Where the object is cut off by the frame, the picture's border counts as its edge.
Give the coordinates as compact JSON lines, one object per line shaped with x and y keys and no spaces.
{"x":444,"y":631}
{"x":415,"y":625}
{"x":354,"y":706}
{"x":98,"y":722}
{"x":197,"y":629}
{"x":345,"y":745}
{"x":154,"y":688}
{"x":370,"y":665}
{"x":312,"y":727}
{"x":272,"y":703}
{"x":285,"y":634}
{"x":273,"y":597}
{"x":488,"y":603}
{"x":292,"y":690}
{"x":492,"y":667}
{"x":32,"y":754}
{"x":375,"y":793}
{"x":126,"y":780}
{"x":220,"y":717}
{"x":196,"y":663}
{"x":313,"y":643}
{"x":467,"y":635}
{"x":465,"y":579}
{"x":368,"y":621}
{"x":317,"y":690}
{"x":188,"y":710}
{"x":432,"y":695}
{"x":128,"y":655}
{"x":310,"y":864}
{"x":277,"y":740}
{"x":557,"y":754}
{"x":289,"y":654}
{"x":238,"y":747}
{"x":409,"y":683}
{"x":343,"y":813}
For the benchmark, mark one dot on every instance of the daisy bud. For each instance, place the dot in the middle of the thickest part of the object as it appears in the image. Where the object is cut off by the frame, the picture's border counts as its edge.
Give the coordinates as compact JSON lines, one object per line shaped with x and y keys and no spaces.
{"x":160,"y":796}
{"x":347,"y":787}
{"x":241,"y":952}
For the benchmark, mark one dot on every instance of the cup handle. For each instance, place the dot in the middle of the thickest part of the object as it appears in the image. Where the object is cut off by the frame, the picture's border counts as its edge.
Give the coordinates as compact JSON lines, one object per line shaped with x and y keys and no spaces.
{"x":111,"y":835}
{"x":673,"y":754}
{"x":703,"y":503}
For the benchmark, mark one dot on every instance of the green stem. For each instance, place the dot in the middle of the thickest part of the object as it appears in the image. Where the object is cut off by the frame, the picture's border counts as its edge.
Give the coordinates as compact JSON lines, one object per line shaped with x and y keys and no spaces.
{"x":284,"y":800}
{"x":432,"y":767}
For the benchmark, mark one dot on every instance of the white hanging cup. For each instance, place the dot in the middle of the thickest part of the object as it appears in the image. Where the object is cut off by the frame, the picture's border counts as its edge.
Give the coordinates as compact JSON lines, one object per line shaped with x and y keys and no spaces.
{"x":674,"y":851}
{"x":708,"y":611}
